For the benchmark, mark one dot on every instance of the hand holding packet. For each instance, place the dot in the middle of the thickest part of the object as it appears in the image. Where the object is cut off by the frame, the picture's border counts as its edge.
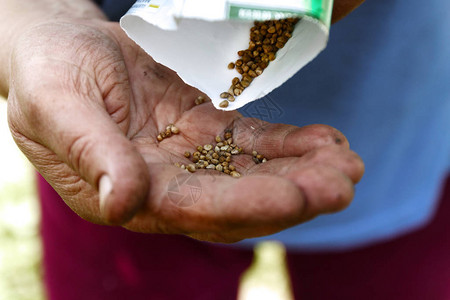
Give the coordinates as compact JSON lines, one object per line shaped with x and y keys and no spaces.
{"x":199,"y":38}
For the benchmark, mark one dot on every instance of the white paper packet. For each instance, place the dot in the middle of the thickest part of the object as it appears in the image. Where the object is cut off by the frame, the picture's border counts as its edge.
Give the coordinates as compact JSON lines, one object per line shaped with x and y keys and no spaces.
{"x":199,"y":38}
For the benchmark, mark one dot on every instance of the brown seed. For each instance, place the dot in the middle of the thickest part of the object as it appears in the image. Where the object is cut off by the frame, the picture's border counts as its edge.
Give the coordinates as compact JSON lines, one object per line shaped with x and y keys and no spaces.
{"x":254,"y":153}
{"x":159,"y":138}
{"x":191,"y":168}
{"x":235,"y":174}
{"x":235,"y":151}
{"x":218,"y":139}
{"x":224,"y":95}
{"x":231,"y":66}
{"x":187,"y":154}
{"x":231,"y":168}
{"x":174,"y":129}
{"x":245,"y":83}
{"x":237,"y":92}
{"x":207,"y":147}
{"x":235,"y":81}
{"x":228,"y":134}
{"x":279,"y":45}
{"x":219,"y":168}
{"x":223,"y":104}
{"x":271,"y":29}
{"x":252,"y":73}
{"x":230,"y":98}
{"x":199,"y":100}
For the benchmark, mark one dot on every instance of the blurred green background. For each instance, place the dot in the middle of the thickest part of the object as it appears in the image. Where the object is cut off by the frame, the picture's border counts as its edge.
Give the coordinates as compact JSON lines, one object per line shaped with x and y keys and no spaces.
{"x":20,"y":247}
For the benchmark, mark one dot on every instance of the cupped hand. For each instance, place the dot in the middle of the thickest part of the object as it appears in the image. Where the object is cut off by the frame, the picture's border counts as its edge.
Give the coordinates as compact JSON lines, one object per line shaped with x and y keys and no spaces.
{"x":86,"y":105}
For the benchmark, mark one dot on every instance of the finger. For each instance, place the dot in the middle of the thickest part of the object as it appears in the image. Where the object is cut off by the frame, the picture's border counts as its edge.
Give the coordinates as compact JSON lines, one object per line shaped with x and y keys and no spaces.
{"x":206,"y":203}
{"x":342,"y":159}
{"x":325,"y":189}
{"x":281,"y":140}
{"x":221,"y":208}
{"x":75,"y":125}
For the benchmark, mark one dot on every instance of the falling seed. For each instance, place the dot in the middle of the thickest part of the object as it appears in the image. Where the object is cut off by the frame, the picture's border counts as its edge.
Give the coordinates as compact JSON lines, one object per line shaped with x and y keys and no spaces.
{"x":224,"y":104}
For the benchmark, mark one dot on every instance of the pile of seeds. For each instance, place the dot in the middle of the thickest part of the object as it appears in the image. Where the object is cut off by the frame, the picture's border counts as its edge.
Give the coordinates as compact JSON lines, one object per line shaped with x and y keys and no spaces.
{"x":170,"y":129}
{"x":218,"y":156}
{"x":215,"y":156}
{"x":266,"y":38}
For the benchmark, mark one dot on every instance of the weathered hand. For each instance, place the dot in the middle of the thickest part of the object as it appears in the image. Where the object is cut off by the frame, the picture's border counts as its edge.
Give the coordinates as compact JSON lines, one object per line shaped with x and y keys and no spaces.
{"x":86,"y":104}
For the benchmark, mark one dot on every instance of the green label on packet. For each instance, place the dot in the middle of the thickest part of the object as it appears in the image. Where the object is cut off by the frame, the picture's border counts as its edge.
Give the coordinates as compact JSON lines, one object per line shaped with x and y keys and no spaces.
{"x":318,"y":9}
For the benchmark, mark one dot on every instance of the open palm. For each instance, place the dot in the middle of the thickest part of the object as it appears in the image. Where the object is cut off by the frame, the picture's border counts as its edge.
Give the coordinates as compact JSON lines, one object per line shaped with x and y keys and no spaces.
{"x":86,"y":105}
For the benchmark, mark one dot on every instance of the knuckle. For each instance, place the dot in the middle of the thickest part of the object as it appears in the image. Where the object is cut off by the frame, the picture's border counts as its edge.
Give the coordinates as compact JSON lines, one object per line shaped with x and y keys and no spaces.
{"x":323,"y":135}
{"x":77,"y":153}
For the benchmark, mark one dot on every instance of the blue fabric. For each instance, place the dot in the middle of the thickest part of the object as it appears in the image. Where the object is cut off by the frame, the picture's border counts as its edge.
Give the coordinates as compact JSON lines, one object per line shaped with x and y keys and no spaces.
{"x":384,"y":81}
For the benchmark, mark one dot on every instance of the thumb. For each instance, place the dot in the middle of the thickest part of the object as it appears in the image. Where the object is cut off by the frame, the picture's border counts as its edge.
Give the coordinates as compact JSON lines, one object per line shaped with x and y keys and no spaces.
{"x":82,"y":134}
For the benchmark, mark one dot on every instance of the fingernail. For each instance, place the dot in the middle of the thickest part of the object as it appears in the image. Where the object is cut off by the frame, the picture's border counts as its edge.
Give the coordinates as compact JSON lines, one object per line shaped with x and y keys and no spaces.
{"x":104,"y":189}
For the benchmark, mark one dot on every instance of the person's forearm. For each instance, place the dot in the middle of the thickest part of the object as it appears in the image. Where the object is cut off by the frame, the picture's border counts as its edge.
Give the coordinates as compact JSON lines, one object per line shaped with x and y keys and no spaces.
{"x":17,"y":16}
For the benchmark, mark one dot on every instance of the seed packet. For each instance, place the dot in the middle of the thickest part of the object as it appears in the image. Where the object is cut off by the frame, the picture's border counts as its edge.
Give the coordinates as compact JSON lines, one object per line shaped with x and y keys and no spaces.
{"x":199,"y":38}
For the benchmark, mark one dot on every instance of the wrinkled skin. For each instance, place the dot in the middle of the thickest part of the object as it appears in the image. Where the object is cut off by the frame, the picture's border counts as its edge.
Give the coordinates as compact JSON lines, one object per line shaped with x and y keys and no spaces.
{"x":85,"y":102}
